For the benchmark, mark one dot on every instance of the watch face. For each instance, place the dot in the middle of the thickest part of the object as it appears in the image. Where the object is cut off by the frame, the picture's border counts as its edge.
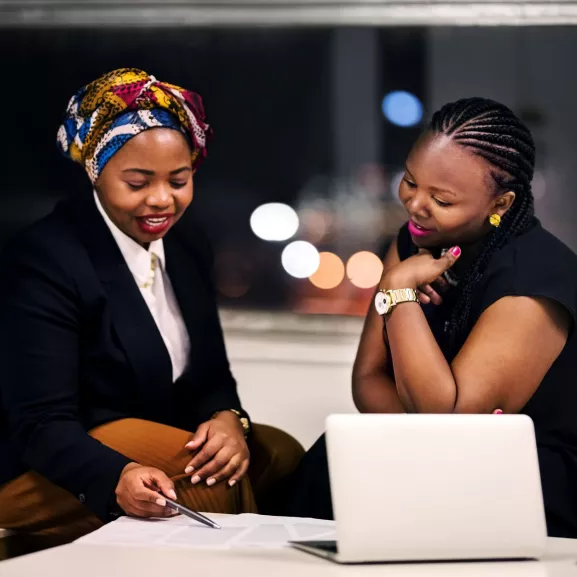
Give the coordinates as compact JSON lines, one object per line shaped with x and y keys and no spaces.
{"x":381,"y":303}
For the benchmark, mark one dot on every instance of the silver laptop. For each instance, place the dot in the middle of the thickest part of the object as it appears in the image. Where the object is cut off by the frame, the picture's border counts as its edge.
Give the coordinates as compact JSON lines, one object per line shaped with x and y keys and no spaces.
{"x":432,"y":488}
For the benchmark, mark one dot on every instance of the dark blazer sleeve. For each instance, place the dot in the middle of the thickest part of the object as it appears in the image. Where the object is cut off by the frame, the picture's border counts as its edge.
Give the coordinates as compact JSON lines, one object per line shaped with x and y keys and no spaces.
{"x":40,"y":326}
{"x":215,"y":389}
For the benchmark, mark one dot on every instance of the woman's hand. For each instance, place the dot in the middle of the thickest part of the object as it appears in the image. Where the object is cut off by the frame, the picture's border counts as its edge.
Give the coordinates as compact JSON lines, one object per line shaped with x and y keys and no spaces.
{"x":222,"y":451}
{"x":432,"y":292}
{"x":138,"y":495}
{"x":419,"y":272}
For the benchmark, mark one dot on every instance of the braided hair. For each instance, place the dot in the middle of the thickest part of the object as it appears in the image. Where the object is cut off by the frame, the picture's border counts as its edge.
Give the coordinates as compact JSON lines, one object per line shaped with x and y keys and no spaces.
{"x":493,"y":132}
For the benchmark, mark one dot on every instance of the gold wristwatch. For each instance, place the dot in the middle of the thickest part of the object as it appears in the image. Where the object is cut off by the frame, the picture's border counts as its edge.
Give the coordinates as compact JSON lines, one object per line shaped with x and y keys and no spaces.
{"x":386,"y":300}
{"x":244,"y":420}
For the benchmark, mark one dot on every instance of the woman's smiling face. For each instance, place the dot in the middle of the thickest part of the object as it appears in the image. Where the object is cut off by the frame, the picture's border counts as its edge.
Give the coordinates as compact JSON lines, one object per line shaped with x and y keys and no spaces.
{"x":148,"y":184}
{"x":449,"y":193}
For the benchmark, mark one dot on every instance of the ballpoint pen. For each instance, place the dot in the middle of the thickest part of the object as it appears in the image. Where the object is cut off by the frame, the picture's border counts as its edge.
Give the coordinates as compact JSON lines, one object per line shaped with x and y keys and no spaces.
{"x":192,"y":514}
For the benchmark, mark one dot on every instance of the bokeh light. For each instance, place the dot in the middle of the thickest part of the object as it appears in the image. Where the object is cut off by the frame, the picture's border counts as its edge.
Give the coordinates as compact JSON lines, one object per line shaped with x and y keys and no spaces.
{"x":300,"y":259}
{"x":233,"y":272}
{"x":314,"y":224}
{"x":364,"y":269}
{"x":274,"y":221}
{"x":330,"y":273}
{"x":402,"y":108}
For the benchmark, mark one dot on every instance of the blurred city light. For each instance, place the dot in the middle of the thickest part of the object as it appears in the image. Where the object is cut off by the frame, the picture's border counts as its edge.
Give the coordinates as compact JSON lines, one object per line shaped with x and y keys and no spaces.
{"x":300,"y":259}
{"x":364,"y":269}
{"x":315,"y":223}
{"x":233,"y":273}
{"x":402,"y":108}
{"x":274,"y":221}
{"x":330,"y":273}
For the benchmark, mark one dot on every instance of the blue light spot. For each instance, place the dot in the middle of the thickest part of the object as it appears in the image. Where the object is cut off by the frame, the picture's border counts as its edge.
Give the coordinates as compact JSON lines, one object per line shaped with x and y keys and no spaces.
{"x":402,"y":108}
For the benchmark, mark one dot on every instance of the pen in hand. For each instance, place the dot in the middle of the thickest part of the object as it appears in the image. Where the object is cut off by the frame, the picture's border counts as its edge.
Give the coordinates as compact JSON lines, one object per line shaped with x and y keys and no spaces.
{"x":192,"y":514}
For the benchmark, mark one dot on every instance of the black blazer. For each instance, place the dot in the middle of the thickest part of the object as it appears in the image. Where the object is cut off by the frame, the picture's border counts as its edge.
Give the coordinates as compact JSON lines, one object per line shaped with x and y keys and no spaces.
{"x":79,"y":347}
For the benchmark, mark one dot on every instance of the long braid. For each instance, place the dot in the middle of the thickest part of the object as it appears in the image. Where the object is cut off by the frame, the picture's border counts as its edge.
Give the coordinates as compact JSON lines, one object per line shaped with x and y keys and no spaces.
{"x":492,"y":131}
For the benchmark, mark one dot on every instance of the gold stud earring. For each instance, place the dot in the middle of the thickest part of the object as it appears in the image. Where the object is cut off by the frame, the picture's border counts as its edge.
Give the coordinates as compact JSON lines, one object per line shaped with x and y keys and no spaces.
{"x":495,"y":220}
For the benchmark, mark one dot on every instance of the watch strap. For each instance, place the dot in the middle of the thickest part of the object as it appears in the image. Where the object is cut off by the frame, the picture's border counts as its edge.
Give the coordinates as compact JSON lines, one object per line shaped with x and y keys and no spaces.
{"x":242,"y":417}
{"x":406,"y":295}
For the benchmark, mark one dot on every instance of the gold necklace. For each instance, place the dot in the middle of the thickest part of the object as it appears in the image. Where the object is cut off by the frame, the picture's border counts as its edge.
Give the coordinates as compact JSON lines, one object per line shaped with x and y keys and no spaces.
{"x":150,"y":281}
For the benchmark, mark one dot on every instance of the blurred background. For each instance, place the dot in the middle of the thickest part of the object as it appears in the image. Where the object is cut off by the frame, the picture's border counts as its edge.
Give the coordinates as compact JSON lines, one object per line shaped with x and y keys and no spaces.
{"x":315,"y":106}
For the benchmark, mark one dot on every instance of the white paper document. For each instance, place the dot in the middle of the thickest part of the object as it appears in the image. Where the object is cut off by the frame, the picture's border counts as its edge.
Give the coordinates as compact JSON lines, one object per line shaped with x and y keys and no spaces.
{"x":238,"y":532}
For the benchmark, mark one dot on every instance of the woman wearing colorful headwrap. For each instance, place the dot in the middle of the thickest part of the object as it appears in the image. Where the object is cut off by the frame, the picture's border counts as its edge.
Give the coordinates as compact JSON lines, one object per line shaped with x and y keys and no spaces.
{"x":116,"y":388}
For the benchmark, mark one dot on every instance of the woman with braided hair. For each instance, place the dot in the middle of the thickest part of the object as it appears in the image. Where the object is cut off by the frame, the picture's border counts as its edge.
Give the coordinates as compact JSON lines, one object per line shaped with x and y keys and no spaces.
{"x":476,"y":307}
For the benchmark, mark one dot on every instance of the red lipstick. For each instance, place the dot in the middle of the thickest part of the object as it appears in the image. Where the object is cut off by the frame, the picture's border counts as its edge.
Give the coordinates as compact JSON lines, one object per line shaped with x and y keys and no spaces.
{"x":155,"y":223}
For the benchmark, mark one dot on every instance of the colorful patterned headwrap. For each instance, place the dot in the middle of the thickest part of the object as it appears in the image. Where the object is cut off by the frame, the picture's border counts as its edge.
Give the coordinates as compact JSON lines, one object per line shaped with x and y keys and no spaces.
{"x":107,"y":113}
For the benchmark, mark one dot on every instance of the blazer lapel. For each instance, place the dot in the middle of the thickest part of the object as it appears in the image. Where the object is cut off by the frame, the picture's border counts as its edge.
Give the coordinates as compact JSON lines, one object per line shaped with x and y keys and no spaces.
{"x":131,"y":318}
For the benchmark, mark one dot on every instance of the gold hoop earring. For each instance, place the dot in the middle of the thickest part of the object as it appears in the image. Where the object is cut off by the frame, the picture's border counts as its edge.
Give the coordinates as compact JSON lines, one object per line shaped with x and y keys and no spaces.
{"x":495,"y":220}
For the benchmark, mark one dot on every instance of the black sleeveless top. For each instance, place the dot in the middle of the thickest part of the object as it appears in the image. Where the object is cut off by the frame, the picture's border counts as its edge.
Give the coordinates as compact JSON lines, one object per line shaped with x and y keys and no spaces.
{"x":534,"y":264}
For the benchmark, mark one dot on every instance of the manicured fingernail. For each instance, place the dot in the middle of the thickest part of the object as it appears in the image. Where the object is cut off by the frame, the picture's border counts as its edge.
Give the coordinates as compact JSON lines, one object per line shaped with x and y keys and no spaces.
{"x":172,"y":495}
{"x":161,"y":502}
{"x":195,"y":480}
{"x":188,"y":445}
{"x":210,"y":482}
{"x":498,"y":412}
{"x":232,"y":483}
{"x":189,"y":469}
{"x":455,"y":251}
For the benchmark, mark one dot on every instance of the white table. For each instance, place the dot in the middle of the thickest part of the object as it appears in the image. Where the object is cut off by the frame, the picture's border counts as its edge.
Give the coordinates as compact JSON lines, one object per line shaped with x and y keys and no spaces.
{"x":101,"y":561}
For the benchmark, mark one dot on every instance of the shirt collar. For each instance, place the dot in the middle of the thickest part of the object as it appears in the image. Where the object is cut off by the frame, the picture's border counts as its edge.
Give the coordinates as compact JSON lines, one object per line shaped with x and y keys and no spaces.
{"x":136,"y":256}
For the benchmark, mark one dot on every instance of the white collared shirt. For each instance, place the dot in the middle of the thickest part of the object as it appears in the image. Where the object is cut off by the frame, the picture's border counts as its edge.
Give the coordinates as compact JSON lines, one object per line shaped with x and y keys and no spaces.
{"x":159,"y":296}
